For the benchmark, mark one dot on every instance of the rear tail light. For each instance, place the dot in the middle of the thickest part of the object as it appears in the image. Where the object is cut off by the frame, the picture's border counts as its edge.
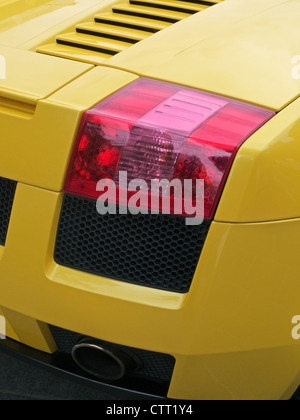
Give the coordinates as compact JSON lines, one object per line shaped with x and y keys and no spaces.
{"x":154,"y":130}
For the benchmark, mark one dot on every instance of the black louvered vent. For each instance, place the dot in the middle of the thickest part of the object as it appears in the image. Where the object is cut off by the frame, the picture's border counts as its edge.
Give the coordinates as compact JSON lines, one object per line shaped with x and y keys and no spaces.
{"x":7,"y":193}
{"x":126,"y":24}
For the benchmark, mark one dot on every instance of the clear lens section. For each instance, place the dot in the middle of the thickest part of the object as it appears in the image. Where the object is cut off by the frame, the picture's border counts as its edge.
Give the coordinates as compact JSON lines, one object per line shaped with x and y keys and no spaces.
{"x":150,"y":153}
{"x":154,"y":130}
{"x":184,"y":111}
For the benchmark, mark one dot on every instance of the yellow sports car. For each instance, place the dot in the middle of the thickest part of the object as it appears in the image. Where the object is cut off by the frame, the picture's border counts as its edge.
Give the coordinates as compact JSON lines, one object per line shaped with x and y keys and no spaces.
{"x":150,"y":193}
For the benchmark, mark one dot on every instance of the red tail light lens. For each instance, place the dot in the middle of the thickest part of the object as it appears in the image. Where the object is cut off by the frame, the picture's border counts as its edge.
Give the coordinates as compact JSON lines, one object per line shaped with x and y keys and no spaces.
{"x":155,"y":130}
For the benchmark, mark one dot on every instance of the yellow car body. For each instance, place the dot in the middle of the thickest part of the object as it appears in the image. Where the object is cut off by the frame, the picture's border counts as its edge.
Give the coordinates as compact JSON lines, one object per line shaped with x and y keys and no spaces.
{"x":232,"y":333}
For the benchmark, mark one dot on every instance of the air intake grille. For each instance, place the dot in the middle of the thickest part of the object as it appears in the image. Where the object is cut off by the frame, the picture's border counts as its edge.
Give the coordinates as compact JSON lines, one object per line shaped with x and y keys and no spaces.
{"x":7,"y":193}
{"x":157,"y":251}
{"x":128,"y":23}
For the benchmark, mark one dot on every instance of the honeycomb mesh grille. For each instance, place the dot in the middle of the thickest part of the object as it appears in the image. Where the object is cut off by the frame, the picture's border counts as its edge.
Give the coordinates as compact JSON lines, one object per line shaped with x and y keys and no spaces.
{"x":154,"y":366}
{"x":7,"y":193}
{"x":157,"y":251}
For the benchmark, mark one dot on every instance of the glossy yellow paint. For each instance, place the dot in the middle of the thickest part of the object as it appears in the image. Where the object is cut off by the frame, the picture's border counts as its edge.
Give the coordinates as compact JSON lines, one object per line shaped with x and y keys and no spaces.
{"x":8,"y":328}
{"x":232,"y":333}
{"x":218,"y":50}
{"x":264,"y":183}
{"x":133,"y":20}
{"x":74,"y":53}
{"x":27,"y":24}
{"x":44,"y":141}
{"x":9,"y":8}
{"x":110,"y":30}
{"x":31,"y":77}
{"x":29,"y":331}
{"x":245,"y":294}
{"x":174,"y":3}
{"x":163,"y":14}
{"x":111,"y":33}
{"x":95,"y":42}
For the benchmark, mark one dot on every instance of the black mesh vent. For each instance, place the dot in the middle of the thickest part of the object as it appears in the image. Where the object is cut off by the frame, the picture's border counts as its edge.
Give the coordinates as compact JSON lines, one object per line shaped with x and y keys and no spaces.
{"x":157,"y":251}
{"x":153,"y":367}
{"x":7,"y":193}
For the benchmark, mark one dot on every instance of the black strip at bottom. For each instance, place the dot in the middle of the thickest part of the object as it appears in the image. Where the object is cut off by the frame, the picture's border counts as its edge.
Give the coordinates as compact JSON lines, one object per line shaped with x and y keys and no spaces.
{"x":63,"y":364}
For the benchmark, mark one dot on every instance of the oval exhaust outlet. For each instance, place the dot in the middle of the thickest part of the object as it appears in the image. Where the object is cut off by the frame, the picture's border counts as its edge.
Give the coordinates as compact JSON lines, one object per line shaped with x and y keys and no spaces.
{"x":103,"y":361}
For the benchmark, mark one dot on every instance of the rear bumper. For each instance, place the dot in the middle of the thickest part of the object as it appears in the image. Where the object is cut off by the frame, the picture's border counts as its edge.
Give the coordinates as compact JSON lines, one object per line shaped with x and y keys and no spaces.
{"x":65,"y":368}
{"x":230,"y":335}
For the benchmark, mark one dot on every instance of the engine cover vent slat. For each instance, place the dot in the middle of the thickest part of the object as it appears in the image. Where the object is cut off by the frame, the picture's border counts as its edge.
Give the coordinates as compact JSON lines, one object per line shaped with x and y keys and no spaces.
{"x":128,"y":23}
